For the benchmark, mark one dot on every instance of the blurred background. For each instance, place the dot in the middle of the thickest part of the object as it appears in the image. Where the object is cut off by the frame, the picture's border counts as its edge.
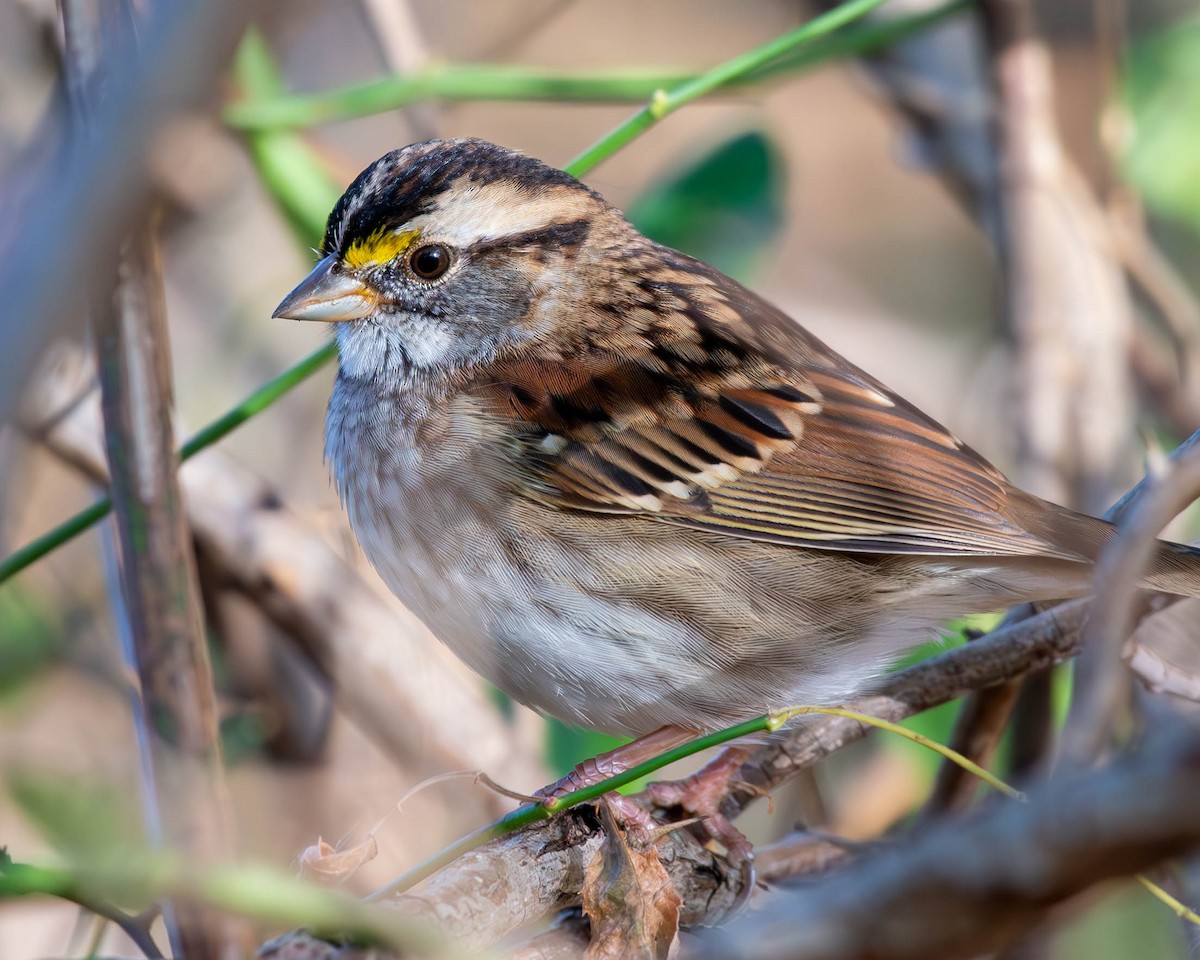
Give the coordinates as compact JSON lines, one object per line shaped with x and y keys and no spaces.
{"x":832,"y":190}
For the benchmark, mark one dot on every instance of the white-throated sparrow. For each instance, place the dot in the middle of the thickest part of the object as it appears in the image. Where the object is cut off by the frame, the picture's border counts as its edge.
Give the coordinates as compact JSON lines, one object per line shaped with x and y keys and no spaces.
{"x":623,"y":487}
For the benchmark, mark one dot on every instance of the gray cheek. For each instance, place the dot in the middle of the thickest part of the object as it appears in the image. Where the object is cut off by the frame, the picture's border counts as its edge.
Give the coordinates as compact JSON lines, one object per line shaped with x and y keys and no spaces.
{"x":467,"y":318}
{"x":491,"y":296}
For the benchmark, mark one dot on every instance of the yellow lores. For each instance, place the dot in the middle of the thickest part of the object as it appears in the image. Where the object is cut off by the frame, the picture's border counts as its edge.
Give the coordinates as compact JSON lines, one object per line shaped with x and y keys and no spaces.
{"x":381,"y":246}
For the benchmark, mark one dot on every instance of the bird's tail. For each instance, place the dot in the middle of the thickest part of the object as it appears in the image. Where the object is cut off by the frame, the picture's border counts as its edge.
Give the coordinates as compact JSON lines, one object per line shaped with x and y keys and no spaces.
{"x":1174,"y":569}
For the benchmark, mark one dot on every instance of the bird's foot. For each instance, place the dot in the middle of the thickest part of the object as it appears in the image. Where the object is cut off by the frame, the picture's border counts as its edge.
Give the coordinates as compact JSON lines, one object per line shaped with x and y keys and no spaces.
{"x":700,"y":796}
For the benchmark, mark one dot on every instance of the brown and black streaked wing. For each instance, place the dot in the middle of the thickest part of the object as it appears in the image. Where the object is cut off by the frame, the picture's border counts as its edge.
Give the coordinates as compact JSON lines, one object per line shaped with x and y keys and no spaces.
{"x":774,"y":437}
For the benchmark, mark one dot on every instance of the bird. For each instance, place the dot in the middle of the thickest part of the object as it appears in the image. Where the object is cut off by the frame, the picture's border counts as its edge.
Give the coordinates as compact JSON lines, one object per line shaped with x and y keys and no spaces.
{"x":626,"y":489}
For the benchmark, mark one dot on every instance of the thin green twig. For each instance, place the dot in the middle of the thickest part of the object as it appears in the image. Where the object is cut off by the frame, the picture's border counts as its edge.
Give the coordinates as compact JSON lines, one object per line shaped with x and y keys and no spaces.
{"x":264,"y":894}
{"x":277,"y":155}
{"x":457,"y":82}
{"x":970,"y":766}
{"x":23,"y":880}
{"x":536,"y":812}
{"x":258,"y":401}
{"x":665,"y":102}
{"x":505,"y":82}
{"x":768,"y":723}
{"x":289,"y":168}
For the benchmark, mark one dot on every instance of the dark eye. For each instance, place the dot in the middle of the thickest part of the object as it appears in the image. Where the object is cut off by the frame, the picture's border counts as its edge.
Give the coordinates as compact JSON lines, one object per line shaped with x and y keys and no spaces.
{"x":430,"y":262}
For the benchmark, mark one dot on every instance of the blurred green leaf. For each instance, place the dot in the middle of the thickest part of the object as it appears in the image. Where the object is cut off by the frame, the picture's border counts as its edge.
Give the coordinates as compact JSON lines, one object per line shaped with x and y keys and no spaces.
{"x":1161,"y":84}
{"x":295,"y":177}
{"x":1124,"y":924}
{"x":87,"y":821}
{"x":725,"y":209}
{"x":30,"y":638}
{"x":567,"y":746}
{"x":938,"y":723}
{"x":264,"y":893}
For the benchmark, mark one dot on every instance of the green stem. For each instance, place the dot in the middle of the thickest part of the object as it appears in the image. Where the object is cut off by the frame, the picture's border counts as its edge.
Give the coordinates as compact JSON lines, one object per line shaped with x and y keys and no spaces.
{"x":769,"y":723}
{"x":664,"y":103}
{"x":491,"y":82}
{"x":479,"y":82}
{"x":258,"y":401}
{"x":535,"y":812}
{"x":53,"y":538}
{"x":264,"y":894}
{"x":293,"y":175}
{"x":24,"y":880}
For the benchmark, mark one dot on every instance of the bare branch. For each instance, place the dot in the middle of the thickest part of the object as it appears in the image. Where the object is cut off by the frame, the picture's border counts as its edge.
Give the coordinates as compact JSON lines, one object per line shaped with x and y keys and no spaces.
{"x":799,"y":854}
{"x":514,"y":880}
{"x":977,"y":731}
{"x":1158,"y":279}
{"x":158,"y":576}
{"x":522,"y":878}
{"x":1031,"y":645}
{"x":1067,"y":303}
{"x":1159,"y":674}
{"x":1100,"y":678}
{"x":166,"y":648}
{"x":1176,"y":402}
{"x":968,"y":887}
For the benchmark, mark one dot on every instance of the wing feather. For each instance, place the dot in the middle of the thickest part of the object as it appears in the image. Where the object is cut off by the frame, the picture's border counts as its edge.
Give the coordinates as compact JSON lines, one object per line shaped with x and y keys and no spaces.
{"x":768,"y":436}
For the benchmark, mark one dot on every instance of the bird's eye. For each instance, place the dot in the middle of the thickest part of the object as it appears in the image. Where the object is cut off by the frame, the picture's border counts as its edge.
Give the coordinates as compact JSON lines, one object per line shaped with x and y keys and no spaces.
{"x":430,"y":262}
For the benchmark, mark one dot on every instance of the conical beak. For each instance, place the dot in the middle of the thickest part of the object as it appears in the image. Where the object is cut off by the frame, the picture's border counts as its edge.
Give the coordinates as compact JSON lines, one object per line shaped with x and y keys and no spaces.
{"x":328,"y":294}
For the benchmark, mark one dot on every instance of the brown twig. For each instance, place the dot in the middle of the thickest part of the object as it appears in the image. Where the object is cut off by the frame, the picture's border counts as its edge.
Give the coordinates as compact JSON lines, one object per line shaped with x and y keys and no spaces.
{"x":1100,"y":678}
{"x":158,"y":579}
{"x":1158,"y":279}
{"x":966,"y":888}
{"x":177,"y":722}
{"x":1175,"y":400}
{"x":1067,"y":305}
{"x":977,"y":731}
{"x":1067,"y":308}
{"x":520,"y":878}
{"x":1032,"y":645}
{"x":397,"y":31}
{"x":514,"y":880}
{"x":799,"y":855}
{"x":985,"y":713}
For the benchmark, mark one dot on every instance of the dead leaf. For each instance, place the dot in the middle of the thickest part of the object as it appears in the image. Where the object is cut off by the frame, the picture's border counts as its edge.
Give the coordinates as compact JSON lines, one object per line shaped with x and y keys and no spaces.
{"x":630,"y":900}
{"x":325,"y":864}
